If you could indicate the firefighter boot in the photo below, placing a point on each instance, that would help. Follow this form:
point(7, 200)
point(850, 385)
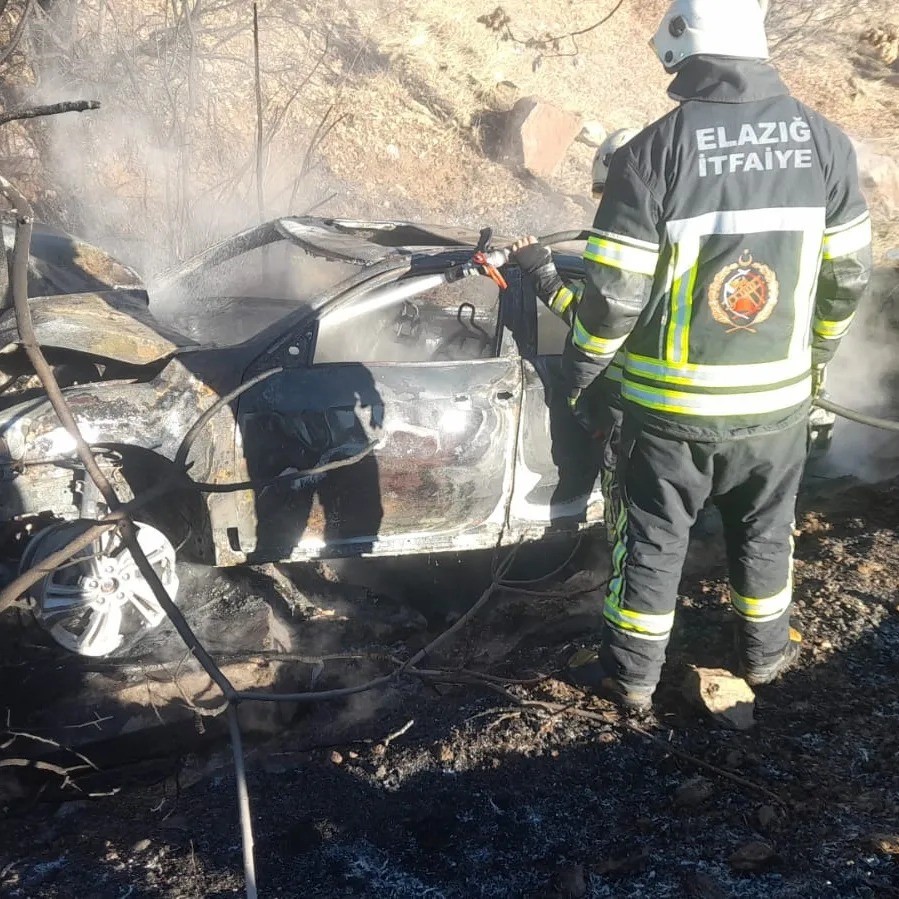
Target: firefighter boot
point(769, 669)
point(586, 669)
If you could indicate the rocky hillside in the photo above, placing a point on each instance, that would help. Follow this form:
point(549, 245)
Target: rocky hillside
point(380, 112)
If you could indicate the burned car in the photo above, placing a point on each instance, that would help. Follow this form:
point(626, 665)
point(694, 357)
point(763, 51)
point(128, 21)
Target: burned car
point(371, 343)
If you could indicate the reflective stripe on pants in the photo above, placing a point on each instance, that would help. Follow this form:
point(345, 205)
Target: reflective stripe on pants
point(665, 483)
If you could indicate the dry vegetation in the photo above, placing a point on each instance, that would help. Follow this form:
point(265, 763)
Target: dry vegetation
point(390, 109)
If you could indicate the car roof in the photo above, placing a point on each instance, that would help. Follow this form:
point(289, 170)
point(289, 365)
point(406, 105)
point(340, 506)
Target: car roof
point(352, 241)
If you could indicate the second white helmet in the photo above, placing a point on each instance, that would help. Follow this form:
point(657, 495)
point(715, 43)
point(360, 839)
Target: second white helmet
point(603, 156)
point(734, 28)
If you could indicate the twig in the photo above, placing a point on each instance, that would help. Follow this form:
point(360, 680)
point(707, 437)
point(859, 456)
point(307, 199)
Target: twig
point(438, 641)
point(544, 43)
point(596, 718)
point(46, 741)
point(260, 150)
point(33, 112)
point(320, 696)
point(97, 722)
point(398, 733)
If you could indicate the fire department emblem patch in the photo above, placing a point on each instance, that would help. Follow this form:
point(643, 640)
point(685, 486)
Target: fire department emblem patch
point(743, 295)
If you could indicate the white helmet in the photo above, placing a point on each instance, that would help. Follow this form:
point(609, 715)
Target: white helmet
point(733, 28)
point(603, 156)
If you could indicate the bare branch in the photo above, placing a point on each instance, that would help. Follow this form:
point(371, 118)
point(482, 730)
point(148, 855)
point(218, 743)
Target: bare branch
point(16, 37)
point(33, 112)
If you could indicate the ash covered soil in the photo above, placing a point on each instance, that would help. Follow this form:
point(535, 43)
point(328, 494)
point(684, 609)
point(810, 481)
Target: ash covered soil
point(480, 798)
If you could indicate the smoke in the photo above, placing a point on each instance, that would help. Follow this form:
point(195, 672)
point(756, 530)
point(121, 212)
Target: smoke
point(168, 164)
point(864, 375)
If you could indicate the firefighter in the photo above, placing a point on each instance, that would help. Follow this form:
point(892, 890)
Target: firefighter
point(602, 416)
point(734, 248)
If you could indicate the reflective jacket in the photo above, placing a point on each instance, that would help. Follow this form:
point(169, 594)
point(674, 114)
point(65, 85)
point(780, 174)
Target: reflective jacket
point(735, 245)
point(563, 299)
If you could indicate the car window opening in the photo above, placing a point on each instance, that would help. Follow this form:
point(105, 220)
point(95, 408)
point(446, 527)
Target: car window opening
point(444, 323)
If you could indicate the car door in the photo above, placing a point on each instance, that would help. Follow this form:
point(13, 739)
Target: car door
point(431, 382)
point(557, 463)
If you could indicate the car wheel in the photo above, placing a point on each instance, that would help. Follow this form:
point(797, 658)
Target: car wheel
point(99, 599)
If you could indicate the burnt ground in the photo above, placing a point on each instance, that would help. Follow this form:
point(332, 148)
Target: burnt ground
point(478, 798)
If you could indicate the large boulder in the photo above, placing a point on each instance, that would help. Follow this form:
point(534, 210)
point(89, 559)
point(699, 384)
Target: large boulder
point(537, 135)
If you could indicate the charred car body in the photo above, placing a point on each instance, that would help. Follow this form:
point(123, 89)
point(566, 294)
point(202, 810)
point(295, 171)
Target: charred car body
point(366, 336)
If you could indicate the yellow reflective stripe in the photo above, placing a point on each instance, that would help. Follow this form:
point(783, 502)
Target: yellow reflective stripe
point(640, 624)
point(829, 330)
point(595, 346)
point(621, 256)
point(561, 300)
point(758, 375)
point(681, 313)
point(850, 239)
point(723, 405)
point(674, 293)
point(760, 610)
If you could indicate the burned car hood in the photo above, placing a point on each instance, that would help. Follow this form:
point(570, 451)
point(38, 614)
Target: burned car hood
point(60, 263)
point(112, 324)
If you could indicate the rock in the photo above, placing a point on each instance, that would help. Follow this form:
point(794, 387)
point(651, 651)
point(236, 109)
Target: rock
point(885, 843)
point(754, 857)
point(592, 134)
point(537, 135)
point(883, 42)
point(445, 754)
point(728, 699)
point(766, 816)
point(336, 758)
point(140, 846)
point(694, 792)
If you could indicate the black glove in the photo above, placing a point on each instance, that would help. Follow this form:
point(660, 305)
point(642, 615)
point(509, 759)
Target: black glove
point(536, 261)
point(585, 414)
point(532, 257)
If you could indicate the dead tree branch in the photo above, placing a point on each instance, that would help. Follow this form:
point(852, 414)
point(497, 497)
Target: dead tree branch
point(16, 37)
point(500, 22)
point(34, 112)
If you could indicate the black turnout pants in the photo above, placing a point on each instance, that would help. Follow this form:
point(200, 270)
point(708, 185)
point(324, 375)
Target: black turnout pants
point(664, 485)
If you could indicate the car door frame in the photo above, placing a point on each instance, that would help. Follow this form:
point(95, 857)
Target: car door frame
point(579, 512)
point(294, 348)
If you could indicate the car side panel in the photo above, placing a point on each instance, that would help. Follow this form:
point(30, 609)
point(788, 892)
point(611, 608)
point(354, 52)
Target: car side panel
point(439, 477)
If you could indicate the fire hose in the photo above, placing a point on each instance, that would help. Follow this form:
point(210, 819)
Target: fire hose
point(823, 401)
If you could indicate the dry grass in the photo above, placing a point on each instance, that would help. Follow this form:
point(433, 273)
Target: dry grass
point(170, 157)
